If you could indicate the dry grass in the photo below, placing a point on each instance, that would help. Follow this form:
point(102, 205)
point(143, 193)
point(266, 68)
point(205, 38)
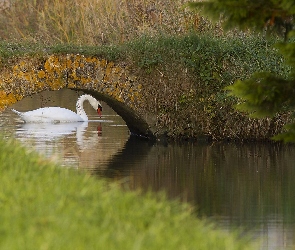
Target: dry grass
point(95, 22)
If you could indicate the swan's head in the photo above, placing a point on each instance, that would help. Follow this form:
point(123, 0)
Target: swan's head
point(95, 104)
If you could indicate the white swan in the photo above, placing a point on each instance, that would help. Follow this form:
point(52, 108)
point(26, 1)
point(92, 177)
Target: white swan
point(57, 114)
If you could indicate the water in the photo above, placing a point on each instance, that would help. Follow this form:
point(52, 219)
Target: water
point(249, 186)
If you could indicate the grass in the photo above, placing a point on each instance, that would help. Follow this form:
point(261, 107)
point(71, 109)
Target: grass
point(238, 57)
point(95, 22)
point(44, 206)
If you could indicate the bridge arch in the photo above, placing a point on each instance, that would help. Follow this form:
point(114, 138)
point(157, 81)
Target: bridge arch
point(107, 81)
point(169, 102)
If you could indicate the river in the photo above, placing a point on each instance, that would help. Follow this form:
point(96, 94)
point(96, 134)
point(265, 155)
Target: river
point(249, 186)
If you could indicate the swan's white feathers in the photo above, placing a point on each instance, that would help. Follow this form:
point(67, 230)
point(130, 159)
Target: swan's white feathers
point(57, 114)
point(49, 114)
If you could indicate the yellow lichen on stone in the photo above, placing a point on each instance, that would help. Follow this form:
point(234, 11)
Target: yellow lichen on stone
point(85, 81)
point(41, 74)
point(55, 72)
point(2, 94)
point(103, 63)
point(30, 76)
point(117, 70)
point(92, 60)
point(72, 85)
point(6, 99)
point(106, 77)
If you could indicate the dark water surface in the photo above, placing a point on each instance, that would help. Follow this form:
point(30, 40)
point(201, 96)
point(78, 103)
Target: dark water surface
point(250, 185)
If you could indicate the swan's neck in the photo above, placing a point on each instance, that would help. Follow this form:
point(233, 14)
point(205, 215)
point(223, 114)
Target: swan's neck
point(80, 108)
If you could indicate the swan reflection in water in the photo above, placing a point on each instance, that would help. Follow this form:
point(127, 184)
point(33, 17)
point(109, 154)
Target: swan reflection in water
point(66, 142)
point(51, 131)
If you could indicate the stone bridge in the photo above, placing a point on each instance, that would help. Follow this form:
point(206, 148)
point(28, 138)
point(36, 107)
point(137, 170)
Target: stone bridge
point(107, 81)
point(167, 101)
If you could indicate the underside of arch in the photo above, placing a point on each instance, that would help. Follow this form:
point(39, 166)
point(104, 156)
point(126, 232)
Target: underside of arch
point(136, 124)
point(104, 80)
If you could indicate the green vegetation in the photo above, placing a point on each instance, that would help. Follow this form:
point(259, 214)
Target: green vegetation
point(195, 69)
point(210, 64)
point(266, 93)
point(268, 15)
point(46, 207)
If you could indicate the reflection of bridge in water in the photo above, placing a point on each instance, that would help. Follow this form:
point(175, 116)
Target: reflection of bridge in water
point(108, 82)
point(248, 185)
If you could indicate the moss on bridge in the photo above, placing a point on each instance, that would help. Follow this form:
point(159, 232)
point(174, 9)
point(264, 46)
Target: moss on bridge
point(106, 80)
point(170, 87)
point(29, 76)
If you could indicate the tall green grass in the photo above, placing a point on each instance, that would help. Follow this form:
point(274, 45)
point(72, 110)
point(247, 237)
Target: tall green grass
point(43, 206)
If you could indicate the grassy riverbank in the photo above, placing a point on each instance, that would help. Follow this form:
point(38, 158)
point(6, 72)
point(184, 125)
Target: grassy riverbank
point(46, 207)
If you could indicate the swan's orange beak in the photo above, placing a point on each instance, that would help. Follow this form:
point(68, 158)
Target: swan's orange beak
point(99, 110)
